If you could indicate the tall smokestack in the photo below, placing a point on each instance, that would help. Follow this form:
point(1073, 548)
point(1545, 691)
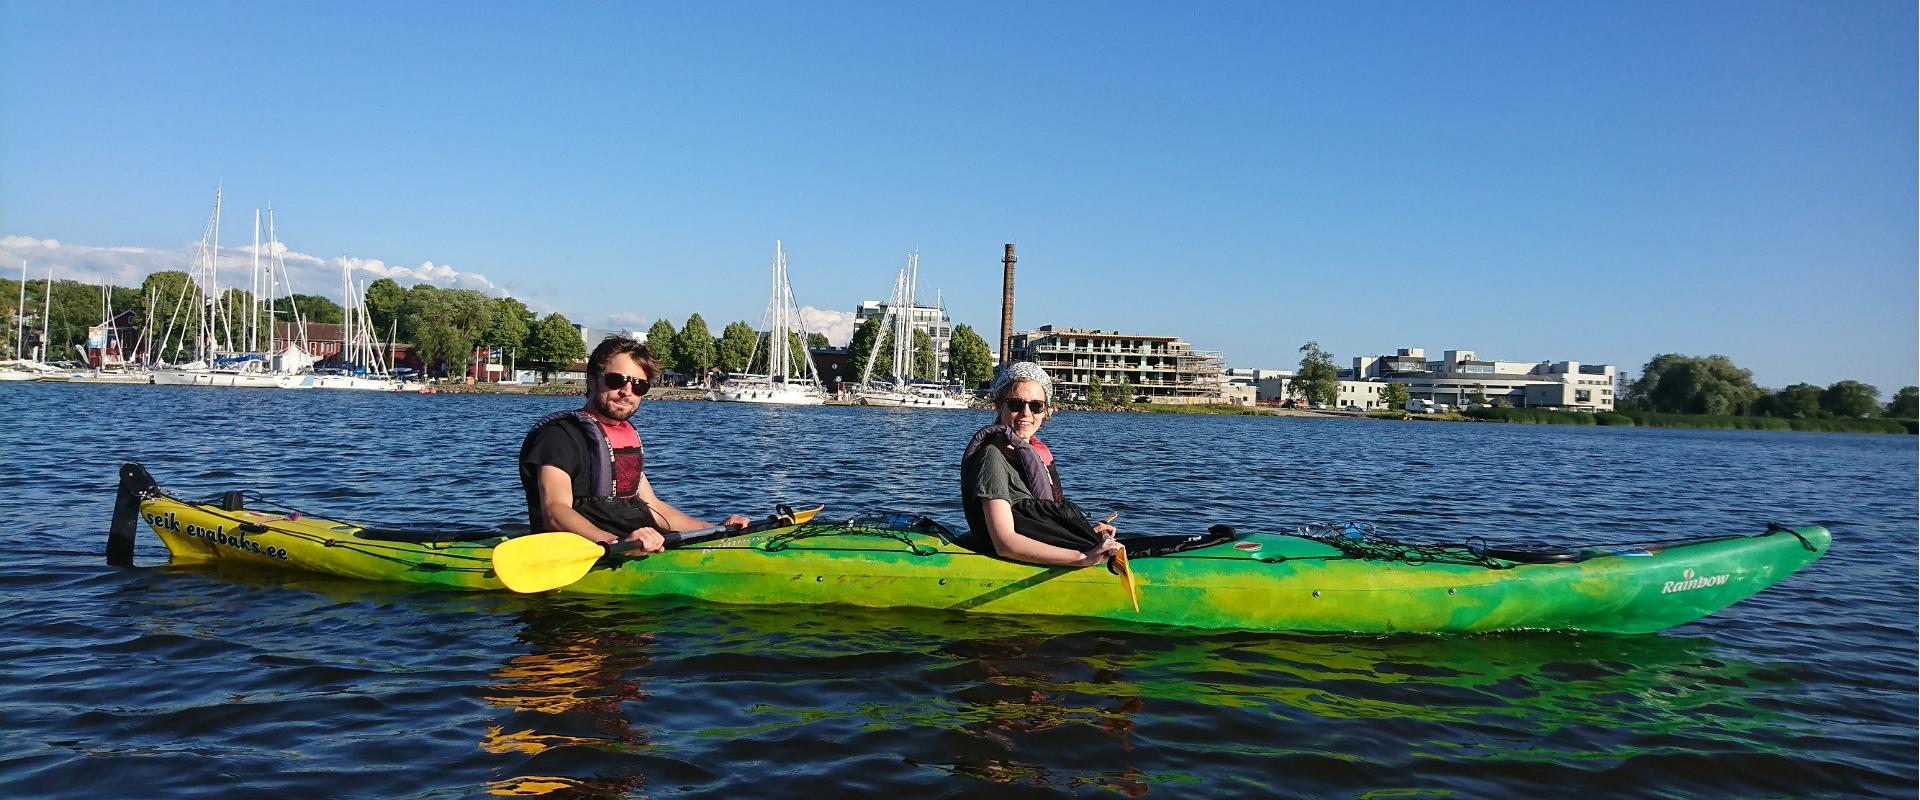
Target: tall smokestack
point(1006, 307)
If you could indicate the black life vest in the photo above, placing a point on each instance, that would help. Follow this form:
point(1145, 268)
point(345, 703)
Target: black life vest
point(1057, 522)
point(615, 515)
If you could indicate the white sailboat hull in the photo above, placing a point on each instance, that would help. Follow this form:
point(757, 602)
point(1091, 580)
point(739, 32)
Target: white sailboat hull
point(357, 383)
point(768, 395)
point(235, 380)
point(892, 399)
point(111, 377)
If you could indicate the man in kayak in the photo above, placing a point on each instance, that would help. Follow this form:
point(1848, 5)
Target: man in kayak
point(584, 471)
point(1011, 490)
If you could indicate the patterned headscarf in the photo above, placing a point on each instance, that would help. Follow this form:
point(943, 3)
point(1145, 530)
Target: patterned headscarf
point(1006, 374)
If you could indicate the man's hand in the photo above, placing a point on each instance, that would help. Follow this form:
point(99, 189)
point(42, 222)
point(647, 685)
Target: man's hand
point(650, 539)
point(1104, 530)
point(736, 522)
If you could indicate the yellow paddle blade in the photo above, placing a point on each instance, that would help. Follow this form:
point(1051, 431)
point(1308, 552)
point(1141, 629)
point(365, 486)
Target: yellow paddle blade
point(1126, 573)
point(542, 561)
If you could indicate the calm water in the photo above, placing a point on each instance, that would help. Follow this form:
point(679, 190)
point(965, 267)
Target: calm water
point(178, 682)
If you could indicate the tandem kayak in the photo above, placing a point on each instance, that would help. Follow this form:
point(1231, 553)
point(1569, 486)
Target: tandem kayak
point(1327, 578)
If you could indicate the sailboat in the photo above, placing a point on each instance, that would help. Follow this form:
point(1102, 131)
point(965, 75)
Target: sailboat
point(21, 368)
point(899, 390)
point(113, 366)
point(362, 370)
point(777, 386)
point(215, 363)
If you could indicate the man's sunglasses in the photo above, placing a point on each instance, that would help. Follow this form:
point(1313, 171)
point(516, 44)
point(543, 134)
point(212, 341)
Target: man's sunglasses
point(614, 380)
point(1013, 405)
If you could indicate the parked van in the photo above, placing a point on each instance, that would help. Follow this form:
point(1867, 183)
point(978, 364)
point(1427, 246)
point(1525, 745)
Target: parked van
point(1419, 406)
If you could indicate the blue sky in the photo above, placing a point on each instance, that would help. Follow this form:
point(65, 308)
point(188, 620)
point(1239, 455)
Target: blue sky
point(1594, 182)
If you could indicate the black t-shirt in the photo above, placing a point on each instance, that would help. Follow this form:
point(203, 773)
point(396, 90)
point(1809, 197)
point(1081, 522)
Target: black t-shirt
point(563, 444)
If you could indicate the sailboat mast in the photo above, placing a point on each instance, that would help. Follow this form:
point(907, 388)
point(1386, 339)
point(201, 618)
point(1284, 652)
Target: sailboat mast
point(20, 316)
point(777, 333)
point(346, 308)
point(222, 315)
point(253, 291)
point(46, 315)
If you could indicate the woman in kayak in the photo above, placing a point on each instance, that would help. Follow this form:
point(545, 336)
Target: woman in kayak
point(1010, 489)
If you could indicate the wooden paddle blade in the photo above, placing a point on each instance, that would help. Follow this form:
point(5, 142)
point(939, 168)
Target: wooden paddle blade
point(1126, 574)
point(543, 561)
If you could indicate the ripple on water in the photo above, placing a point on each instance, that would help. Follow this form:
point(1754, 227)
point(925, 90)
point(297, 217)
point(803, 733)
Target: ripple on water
point(186, 682)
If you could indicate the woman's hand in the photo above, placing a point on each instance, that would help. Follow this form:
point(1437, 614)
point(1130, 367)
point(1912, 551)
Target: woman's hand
point(736, 522)
point(1104, 530)
point(1099, 554)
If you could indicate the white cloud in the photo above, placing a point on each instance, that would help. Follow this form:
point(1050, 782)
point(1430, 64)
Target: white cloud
point(837, 325)
point(306, 274)
point(625, 321)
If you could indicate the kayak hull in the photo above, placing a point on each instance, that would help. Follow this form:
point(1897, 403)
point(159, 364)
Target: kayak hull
point(1259, 582)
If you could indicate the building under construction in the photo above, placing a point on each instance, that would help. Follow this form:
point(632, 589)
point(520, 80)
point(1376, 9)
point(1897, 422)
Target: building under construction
point(1162, 369)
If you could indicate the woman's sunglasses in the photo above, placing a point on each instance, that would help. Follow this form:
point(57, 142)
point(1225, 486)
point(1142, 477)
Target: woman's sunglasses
point(1014, 404)
point(614, 380)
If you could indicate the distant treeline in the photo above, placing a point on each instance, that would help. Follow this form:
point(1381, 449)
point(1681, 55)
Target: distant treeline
point(1649, 419)
point(1713, 386)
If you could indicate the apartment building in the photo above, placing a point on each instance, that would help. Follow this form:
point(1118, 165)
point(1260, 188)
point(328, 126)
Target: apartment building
point(1162, 369)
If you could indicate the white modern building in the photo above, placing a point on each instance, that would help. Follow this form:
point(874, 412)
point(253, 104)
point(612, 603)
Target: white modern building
point(1272, 386)
point(1460, 376)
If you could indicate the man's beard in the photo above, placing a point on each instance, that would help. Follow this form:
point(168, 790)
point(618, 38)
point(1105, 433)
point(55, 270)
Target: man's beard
point(604, 407)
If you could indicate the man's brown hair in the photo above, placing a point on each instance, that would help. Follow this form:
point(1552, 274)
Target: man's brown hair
point(615, 344)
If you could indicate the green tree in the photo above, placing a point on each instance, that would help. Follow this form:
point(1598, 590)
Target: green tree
point(925, 366)
point(1850, 399)
point(972, 358)
point(796, 354)
point(312, 307)
point(660, 341)
point(693, 350)
point(1478, 395)
point(1799, 401)
point(446, 323)
point(1905, 403)
point(1678, 384)
point(1096, 393)
point(385, 299)
point(1124, 394)
point(1318, 377)
point(167, 301)
point(512, 323)
point(1394, 395)
point(870, 343)
point(736, 346)
point(816, 339)
point(555, 341)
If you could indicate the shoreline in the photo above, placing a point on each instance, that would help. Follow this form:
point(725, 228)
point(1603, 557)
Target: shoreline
point(1509, 416)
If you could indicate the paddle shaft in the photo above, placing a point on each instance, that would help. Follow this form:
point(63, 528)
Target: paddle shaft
point(673, 539)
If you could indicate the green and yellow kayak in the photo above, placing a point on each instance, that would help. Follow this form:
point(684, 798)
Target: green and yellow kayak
point(1342, 578)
